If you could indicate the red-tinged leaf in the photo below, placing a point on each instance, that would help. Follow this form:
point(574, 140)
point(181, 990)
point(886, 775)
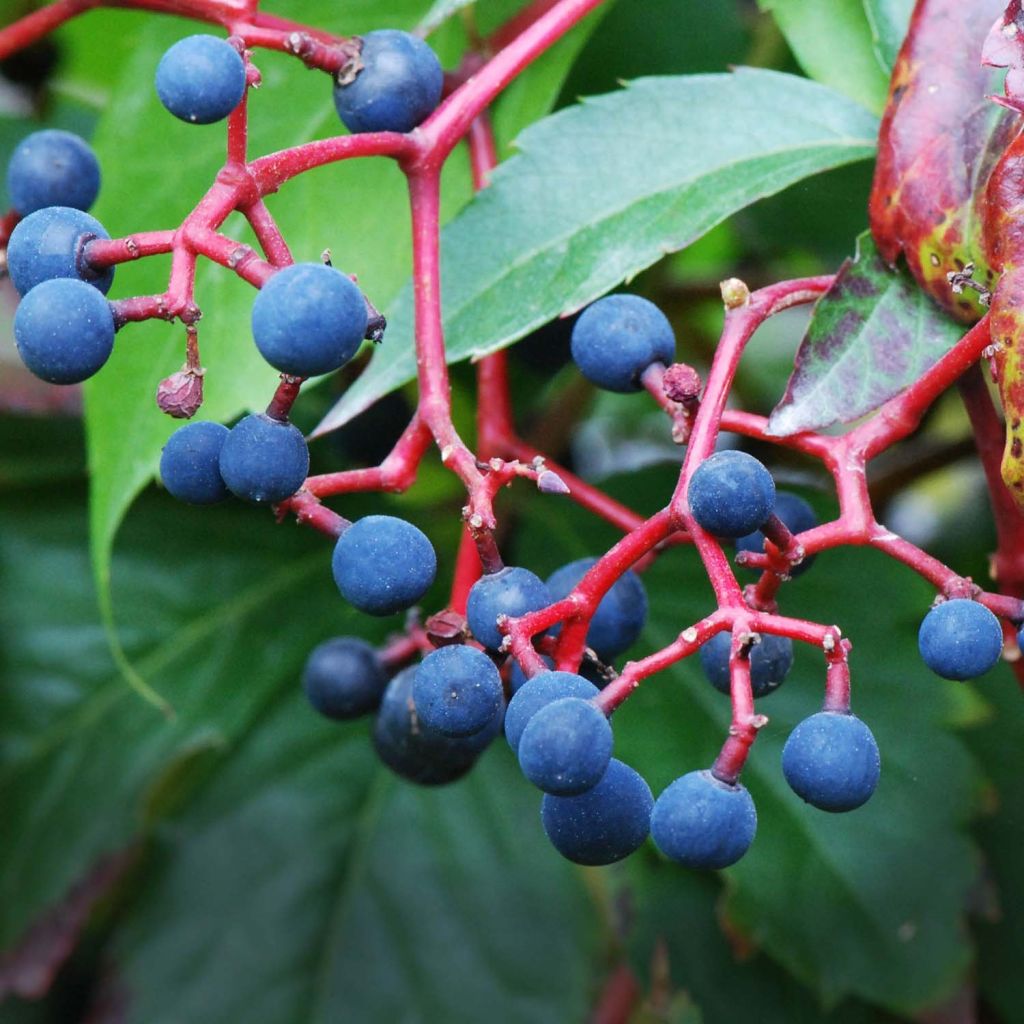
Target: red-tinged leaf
point(940, 138)
point(872, 333)
point(1004, 48)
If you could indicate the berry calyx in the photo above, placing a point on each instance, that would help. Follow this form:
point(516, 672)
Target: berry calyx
point(309, 319)
point(798, 516)
point(604, 824)
point(770, 662)
point(536, 693)
point(831, 760)
point(620, 615)
point(398, 87)
point(64, 330)
point(49, 244)
point(960, 639)
point(264, 460)
point(566, 746)
point(52, 168)
point(344, 678)
point(383, 564)
point(616, 338)
point(457, 691)
point(511, 591)
point(201, 79)
point(703, 822)
point(190, 463)
point(731, 494)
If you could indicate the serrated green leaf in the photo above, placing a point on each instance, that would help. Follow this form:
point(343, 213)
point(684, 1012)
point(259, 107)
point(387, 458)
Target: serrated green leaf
point(872, 334)
point(888, 20)
point(606, 188)
point(834, 44)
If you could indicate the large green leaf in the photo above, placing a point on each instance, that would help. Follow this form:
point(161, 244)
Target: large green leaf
point(871, 335)
point(835, 44)
point(888, 20)
point(606, 188)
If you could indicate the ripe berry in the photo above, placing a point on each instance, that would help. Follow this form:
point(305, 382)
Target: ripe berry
point(190, 463)
point(201, 79)
point(798, 517)
point(618, 337)
point(536, 693)
point(264, 460)
point(383, 565)
point(516, 676)
point(457, 691)
point(308, 319)
point(770, 662)
point(731, 494)
point(604, 824)
point(50, 243)
point(960, 639)
point(52, 168)
point(831, 760)
point(344, 678)
point(703, 822)
point(511, 591)
point(64, 330)
point(398, 87)
point(566, 746)
point(620, 615)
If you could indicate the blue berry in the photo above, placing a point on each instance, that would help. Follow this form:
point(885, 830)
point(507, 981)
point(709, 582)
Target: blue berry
point(457, 691)
point(383, 564)
point(264, 460)
point(308, 319)
point(620, 615)
point(536, 693)
point(190, 463)
point(618, 337)
point(798, 517)
point(770, 662)
point(399, 86)
point(831, 760)
point(703, 822)
point(64, 330)
point(960, 639)
point(731, 494)
point(516, 676)
point(511, 591)
point(604, 824)
point(50, 243)
point(52, 168)
point(344, 678)
point(566, 746)
point(201, 79)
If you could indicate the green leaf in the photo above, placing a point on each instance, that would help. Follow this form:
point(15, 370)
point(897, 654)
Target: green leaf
point(834, 44)
point(440, 12)
point(872, 334)
point(606, 188)
point(889, 20)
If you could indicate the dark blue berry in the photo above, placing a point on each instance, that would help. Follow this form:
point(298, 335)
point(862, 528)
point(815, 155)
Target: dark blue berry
point(344, 678)
point(960, 639)
point(731, 494)
point(566, 746)
point(511, 591)
point(308, 319)
point(398, 87)
point(831, 760)
point(536, 693)
point(264, 460)
point(604, 824)
point(64, 330)
point(383, 564)
point(798, 517)
point(50, 243)
point(770, 662)
point(52, 168)
point(201, 79)
point(620, 615)
point(703, 822)
point(457, 691)
point(190, 463)
point(618, 337)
